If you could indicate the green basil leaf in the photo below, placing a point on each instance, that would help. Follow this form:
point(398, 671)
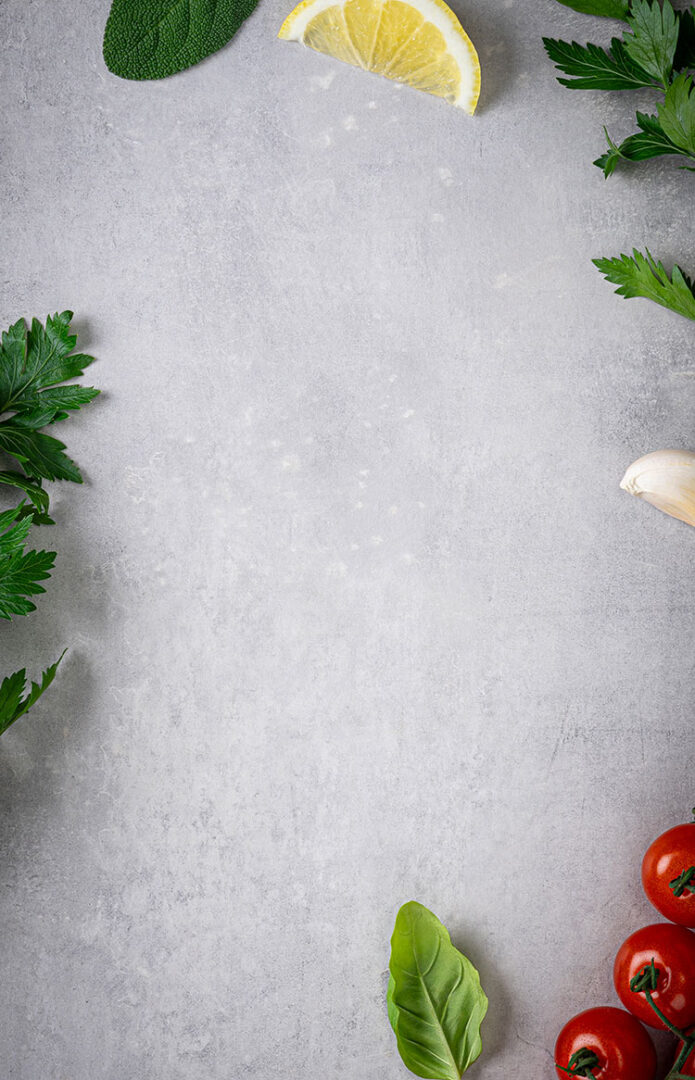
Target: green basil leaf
point(150, 39)
point(435, 1002)
point(611, 9)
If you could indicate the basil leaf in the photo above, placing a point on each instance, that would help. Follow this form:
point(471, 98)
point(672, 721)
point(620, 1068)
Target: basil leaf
point(435, 1002)
point(611, 9)
point(150, 39)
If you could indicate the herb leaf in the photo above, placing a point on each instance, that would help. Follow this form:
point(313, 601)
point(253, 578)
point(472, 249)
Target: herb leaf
point(685, 53)
point(150, 39)
point(594, 68)
point(641, 275)
point(13, 704)
point(677, 113)
point(20, 570)
point(435, 1002)
point(651, 141)
point(652, 43)
point(611, 9)
point(34, 492)
point(32, 362)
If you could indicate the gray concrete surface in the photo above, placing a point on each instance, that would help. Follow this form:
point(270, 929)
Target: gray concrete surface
point(356, 610)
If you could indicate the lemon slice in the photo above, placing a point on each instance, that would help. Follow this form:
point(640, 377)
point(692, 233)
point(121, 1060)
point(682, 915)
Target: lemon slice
point(418, 42)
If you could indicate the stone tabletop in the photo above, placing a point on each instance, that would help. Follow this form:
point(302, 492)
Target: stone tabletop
point(355, 608)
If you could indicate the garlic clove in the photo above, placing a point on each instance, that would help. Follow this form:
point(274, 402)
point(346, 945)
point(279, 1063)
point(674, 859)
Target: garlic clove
point(666, 479)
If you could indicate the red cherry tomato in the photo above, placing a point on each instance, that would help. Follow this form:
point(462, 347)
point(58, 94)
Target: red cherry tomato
point(668, 874)
point(620, 1046)
point(671, 949)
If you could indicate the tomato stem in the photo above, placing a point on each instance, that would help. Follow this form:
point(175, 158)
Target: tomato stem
point(683, 881)
point(646, 981)
point(647, 978)
point(688, 1043)
point(671, 1027)
point(582, 1063)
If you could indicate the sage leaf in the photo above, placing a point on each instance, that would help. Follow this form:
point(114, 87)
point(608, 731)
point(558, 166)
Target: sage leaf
point(610, 9)
point(435, 1001)
point(151, 39)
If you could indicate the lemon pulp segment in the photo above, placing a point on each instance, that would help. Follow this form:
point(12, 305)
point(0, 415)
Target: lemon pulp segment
point(420, 42)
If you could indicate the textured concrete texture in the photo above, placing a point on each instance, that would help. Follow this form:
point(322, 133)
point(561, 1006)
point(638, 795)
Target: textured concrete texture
point(356, 610)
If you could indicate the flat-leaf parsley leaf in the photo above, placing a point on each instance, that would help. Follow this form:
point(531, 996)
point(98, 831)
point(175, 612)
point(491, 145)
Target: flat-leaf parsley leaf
point(677, 113)
point(649, 142)
point(13, 702)
point(642, 275)
point(652, 43)
point(594, 68)
point(20, 570)
point(32, 362)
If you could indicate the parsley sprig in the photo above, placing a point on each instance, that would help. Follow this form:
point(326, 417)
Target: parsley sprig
point(642, 275)
point(14, 701)
point(34, 362)
point(656, 51)
point(20, 571)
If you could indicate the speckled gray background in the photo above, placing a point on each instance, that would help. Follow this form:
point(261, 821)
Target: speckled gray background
point(356, 610)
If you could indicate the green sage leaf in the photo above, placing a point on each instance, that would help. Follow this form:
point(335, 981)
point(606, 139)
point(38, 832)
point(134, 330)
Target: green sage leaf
point(150, 39)
point(435, 1002)
point(611, 9)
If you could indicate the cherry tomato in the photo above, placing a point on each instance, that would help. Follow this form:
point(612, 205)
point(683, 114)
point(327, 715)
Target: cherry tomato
point(669, 952)
point(668, 874)
point(620, 1046)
